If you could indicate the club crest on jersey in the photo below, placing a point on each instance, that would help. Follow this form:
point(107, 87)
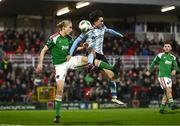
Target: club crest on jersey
point(168, 62)
point(65, 47)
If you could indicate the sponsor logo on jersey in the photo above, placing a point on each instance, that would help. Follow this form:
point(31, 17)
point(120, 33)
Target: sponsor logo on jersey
point(168, 62)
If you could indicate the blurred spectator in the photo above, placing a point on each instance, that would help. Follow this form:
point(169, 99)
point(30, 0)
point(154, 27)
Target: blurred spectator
point(133, 87)
point(135, 100)
point(27, 41)
point(6, 65)
point(30, 41)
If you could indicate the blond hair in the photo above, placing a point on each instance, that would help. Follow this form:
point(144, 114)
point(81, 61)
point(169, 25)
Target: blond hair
point(63, 23)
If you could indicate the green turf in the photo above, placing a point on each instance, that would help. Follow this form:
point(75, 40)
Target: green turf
point(92, 117)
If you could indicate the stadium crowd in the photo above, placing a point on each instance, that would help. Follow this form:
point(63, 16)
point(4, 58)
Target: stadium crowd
point(26, 41)
point(31, 41)
point(134, 87)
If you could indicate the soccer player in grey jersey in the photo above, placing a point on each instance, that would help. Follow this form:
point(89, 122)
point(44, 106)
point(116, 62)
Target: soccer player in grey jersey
point(95, 39)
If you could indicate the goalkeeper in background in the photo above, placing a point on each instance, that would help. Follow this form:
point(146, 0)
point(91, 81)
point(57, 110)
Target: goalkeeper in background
point(167, 68)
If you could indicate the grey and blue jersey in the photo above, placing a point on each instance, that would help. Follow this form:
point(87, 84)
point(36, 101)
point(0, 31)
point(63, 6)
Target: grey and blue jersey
point(95, 37)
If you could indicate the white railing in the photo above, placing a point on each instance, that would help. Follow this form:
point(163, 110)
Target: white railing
point(28, 60)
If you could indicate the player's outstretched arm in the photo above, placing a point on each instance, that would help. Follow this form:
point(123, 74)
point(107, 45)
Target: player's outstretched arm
point(75, 44)
point(149, 69)
point(84, 46)
point(113, 32)
point(154, 62)
point(41, 58)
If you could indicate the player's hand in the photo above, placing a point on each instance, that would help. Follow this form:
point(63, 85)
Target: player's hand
point(68, 58)
point(39, 68)
point(173, 73)
point(148, 73)
point(121, 35)
point(85, 44)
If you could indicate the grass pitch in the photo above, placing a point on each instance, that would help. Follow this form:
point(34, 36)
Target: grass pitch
point(91, 117)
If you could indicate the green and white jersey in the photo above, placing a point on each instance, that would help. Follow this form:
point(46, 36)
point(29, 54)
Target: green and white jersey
point(59, 48)
point(167, 62)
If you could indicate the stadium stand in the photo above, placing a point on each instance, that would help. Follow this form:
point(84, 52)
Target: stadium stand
point(22, 37)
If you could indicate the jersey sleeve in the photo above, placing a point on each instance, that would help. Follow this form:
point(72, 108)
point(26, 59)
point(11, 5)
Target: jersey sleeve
point(83, 36)
point(75, 44)
point(174, 65)
point(50, 43)
point(113, 32)
point(154, 62)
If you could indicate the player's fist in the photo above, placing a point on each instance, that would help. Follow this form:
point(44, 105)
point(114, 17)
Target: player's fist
point(85, 44)
point(173, 72)
point(39, 68)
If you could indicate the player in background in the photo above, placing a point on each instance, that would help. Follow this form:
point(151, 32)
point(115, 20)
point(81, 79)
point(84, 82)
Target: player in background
point(95, 39)
point(58, 45)
point(167, 68)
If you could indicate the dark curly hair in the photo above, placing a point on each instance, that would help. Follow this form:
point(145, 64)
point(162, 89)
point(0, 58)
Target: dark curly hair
point(168, 42)
point(94, 16)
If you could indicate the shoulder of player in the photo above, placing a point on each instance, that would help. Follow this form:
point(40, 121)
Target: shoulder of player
point(84, 35)
point(160, 54)
point(174, 57)
point(104, 26)
point(91, 31)
point(54, 35)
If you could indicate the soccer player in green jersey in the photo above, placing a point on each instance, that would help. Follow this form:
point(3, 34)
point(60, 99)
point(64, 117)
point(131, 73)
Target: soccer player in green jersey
point(167, 68)
point(58, 45)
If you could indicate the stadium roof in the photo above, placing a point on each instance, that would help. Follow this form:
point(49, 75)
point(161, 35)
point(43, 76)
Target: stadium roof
point(111, 8)
point(143, 2)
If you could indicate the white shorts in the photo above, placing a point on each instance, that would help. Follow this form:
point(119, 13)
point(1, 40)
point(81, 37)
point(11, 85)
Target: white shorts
point(61, 69)
point(165, 82)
